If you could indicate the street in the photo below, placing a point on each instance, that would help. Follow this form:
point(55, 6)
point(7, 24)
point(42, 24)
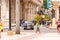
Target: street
point(43, 29)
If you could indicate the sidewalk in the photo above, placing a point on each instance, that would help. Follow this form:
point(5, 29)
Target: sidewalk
point(46, 34)
point(4, 36)
point(31, 36)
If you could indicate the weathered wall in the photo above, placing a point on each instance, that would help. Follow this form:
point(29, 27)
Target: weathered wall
point(5, 13)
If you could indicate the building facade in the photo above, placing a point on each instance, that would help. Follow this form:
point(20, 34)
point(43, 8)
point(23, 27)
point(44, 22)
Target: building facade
point(27, 10)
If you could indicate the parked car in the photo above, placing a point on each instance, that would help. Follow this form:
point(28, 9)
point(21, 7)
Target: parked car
point(28, 25)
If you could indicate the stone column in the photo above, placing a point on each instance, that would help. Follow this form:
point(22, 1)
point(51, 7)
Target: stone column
point(57, 13)
point(56, 16)
point(17, 16)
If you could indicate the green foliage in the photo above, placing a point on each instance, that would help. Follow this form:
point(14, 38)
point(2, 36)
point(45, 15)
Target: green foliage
point(46, 4)
point(47, 17)
point(38, 18)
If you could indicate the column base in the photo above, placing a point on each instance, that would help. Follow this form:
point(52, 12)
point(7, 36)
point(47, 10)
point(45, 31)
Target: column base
point(10, 33)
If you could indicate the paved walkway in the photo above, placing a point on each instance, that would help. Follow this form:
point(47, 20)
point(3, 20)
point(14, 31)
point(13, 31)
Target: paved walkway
point(47, 36)
point(4, 36)
point(31, 36)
